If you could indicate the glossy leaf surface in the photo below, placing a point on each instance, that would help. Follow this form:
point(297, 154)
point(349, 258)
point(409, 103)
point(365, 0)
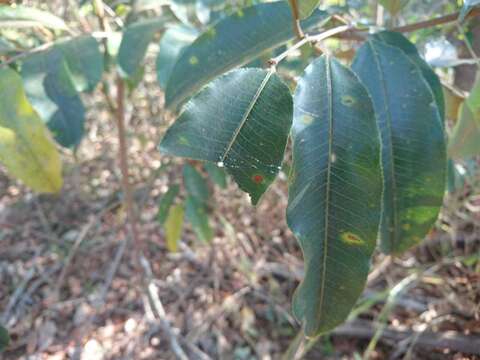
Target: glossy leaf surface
point(197, 216)
point(231, 42)
point(396, 39)
point(26, 149)
point(335, 192)
point(240, 121)
point(413, 146)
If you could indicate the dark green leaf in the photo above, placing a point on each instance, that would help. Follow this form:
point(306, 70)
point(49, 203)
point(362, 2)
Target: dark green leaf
point(335, 192)
point(23, 16)
point(231, 42)
point(465, 138)
point(166, 203)
point(198, 218)
point(51, 91)
point(217, 174)
point(195, 183)
point(135, 41)
point(52, 80)
point(468, 6)
point(413, 146)
point(4, 338)
point(174, 226)
point(84, 60)
point(240, 121)
point(398, 40)
point(173, 42)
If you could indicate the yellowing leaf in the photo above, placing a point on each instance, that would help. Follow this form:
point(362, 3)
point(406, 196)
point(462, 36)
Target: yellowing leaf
point(173, 227)
point(26, 148)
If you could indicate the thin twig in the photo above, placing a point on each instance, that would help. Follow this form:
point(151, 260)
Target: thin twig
point(309, 39)
point(297, 27)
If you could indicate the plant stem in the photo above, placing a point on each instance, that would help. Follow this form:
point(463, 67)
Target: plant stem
point(435, 22)
point(309, 39)
point(123, 158)
point(297, 28)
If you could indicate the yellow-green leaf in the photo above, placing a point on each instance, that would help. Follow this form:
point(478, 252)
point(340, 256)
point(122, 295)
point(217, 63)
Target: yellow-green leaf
point(26, 148)
point(173, 227)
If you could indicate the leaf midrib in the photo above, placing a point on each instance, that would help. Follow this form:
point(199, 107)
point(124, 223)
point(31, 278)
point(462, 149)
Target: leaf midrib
point(389, 127)
point(247, 113)
point(327, 188)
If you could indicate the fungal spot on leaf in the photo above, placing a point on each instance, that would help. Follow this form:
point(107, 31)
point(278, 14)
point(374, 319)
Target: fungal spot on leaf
point(183, 140)
point(193, 60)
point(406, 226)
point(258, 179)
point(348, 100)
point(307, 119)
point(350, 238)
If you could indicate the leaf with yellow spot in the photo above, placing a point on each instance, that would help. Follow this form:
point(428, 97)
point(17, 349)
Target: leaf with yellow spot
point(26, 148)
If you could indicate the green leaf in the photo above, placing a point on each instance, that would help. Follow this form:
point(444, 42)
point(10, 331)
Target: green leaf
point(468, 5)
point(173, 227)
point(135, 41)
point(53, 79)
point(173, 42)
point(84, 60)
point(166, 203)
point(26, 150)
point(50, 89)
point(335, 193)
point(198, 218)
point(217, 174)
point(465, 139)
point(307, 7)
point(195, 183)
point(4, 338)
point(396, 39)
point(394, 6)
point(233, 41)
point(23, 16)
point(241, 122)
point(413, 146)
